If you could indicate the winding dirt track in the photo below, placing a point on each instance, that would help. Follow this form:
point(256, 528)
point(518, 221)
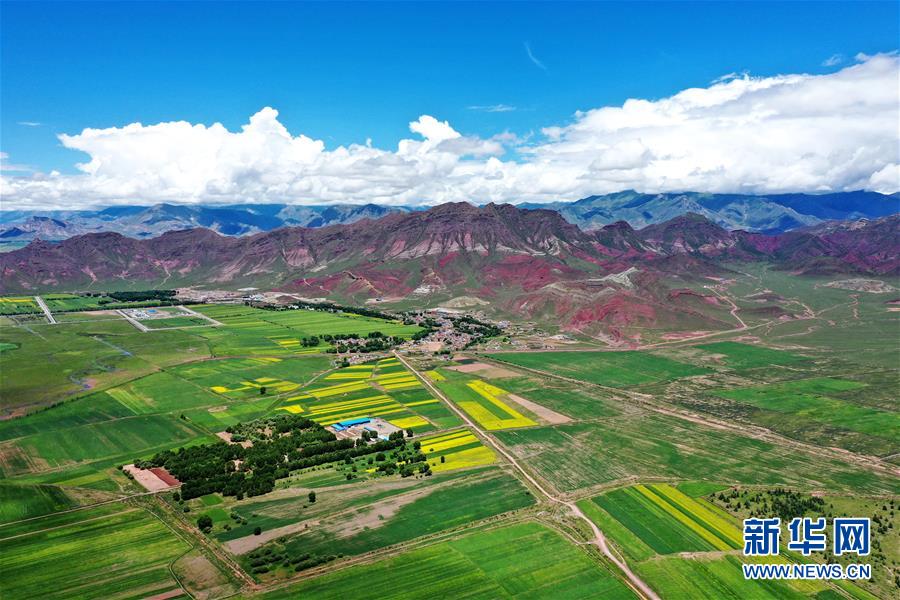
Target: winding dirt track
point(599, 539)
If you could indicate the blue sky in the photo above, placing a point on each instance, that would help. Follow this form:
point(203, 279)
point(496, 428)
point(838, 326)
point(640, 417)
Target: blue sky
point(345, 73)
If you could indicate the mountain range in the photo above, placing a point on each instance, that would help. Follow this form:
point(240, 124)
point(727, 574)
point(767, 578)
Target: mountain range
point(766, 214)
point(149, 221)
point(531, 263)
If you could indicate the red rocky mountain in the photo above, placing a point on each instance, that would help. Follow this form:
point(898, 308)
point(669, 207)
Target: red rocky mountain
point(526, 262)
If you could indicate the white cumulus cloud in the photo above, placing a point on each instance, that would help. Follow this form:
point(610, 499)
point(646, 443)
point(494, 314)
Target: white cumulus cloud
point(784, 133)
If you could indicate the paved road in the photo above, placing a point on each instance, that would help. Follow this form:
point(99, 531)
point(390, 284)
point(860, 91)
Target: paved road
point(46, 309)
point(599, 539)
point(138, 325)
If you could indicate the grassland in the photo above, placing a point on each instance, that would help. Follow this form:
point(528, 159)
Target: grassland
point(130, 551)
point(519, 561)
point(611, 369)
point(811, 400)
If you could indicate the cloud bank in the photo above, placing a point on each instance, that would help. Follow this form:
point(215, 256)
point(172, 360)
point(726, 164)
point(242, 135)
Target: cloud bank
point(741, 134)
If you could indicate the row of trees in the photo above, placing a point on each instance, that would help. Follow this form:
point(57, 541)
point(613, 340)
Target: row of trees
point(232, 470)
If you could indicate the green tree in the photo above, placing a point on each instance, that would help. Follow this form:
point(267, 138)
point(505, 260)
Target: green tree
point(312, 496)
point(205, 523)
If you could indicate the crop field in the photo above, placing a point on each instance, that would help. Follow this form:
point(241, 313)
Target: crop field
point(456, 450)
point(11, 305)
point(807, 398)
point(242, 378)
point(19, 502)
point(266, 332)
point(654, 445)
point(120, 438)
point(517, 561)
point(747, 356)
point(718, 578)
point(420, 512)
point(660, 519)
point(175, 322)
point(130, 551)
point(482, 401)
point(67, 302)
point(563, 396)
point(611, 369)
point(378, 389)
point(686, 547)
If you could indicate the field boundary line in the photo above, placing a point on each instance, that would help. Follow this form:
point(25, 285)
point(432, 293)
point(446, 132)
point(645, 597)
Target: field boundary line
point(37, 531)
point(870, 463)
point(599, 539)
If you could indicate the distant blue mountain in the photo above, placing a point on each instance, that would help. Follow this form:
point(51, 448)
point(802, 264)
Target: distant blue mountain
point(762, 213)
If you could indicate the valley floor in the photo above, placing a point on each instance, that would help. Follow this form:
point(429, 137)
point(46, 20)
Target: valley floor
point(547, 473)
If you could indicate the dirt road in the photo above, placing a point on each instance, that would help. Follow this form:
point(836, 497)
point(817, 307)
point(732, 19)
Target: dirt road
point(599, 539)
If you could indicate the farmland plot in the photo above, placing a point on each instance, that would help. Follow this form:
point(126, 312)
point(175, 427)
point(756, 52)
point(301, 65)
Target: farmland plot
point(526, 560)
point(129, 555)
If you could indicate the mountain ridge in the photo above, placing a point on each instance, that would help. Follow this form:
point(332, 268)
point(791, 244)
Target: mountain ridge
point(765, 214)
point(530, 263)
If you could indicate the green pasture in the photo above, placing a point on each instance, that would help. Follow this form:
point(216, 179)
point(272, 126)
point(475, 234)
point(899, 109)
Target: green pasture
point(256, 331)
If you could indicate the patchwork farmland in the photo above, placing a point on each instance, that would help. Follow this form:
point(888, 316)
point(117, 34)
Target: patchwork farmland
point(481, 454)
point(688, 547)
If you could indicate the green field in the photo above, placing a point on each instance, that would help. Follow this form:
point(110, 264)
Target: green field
point(129, 553)
point(254, 331)
point(120, 439)
point(654, 445)
point(611, 369)
point(174, 322)
point(715, 579)
point(483, 401)
point(11, 305)
point(746, 356)
point(397, 518)
point(28, 501)
point(659, 519)
point(521, 561)
point(686, 547)
point(807, 398)
point(565, 397)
